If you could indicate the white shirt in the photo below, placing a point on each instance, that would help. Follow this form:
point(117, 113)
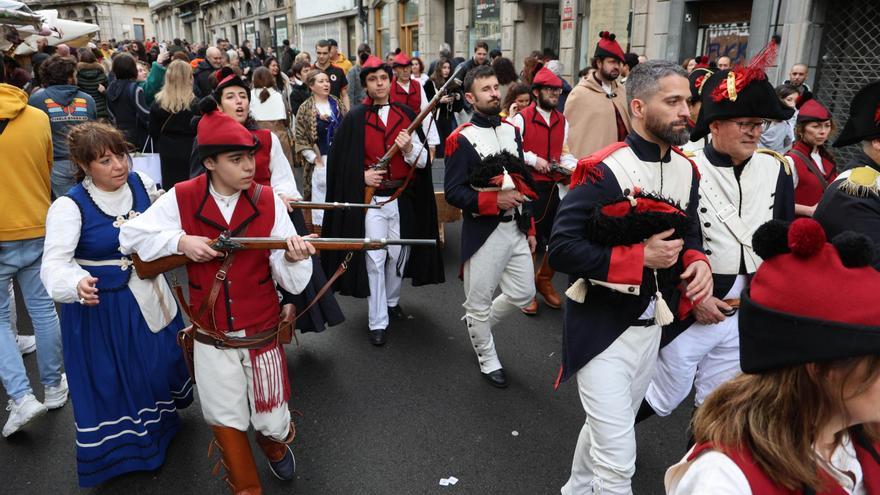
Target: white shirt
point(157, 232)
point(715, 473)
point(429, 127)
point(59, 272)
point(418, 154)
point(567, 160)
point(323, 109)
point(269, 110)
point(280, 174)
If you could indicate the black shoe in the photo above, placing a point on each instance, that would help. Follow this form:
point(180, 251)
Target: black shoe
point(285, 469)
point(496, 378)
point(397, 313)
point(377, 337)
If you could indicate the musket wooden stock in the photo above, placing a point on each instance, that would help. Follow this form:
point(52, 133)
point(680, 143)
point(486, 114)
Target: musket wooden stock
point(370, 191)
point(150, 269)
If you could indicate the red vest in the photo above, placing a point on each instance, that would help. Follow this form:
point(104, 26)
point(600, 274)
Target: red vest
point(378, 137)
point(543, 140)
point(263, 156)
point(412, 99)
point(761, 484)
point(809, 189)
point(247, 298)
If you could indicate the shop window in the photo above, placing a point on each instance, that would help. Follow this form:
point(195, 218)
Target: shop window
point(408, 14)
point(383, 29)
point(486, 22)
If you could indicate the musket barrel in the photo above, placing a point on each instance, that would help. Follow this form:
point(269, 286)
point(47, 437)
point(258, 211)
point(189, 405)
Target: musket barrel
point(315, 205)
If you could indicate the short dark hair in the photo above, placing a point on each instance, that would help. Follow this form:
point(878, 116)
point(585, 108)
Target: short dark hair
point(495, 53)
point(584, 71)
point(481, 44)
point(478, 72)
point(286, 42)
point(323, 44)
point(631, 60)
point(504, 70)
point(58, 70)
point(297, 67)
point(125, 67)
point(332, 42)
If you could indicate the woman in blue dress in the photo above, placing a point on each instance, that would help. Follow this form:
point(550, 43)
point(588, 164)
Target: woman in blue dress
point(126, 374)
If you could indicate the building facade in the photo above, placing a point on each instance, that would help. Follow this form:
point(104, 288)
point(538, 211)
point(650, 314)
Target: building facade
point(117, 19)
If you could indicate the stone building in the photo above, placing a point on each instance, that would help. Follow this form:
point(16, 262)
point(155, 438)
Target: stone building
point(118, 19)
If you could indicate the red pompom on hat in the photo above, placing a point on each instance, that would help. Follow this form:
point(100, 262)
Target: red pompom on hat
point(810, 300)
point(813, 111)
point(702, 62)
point(219, 133)
point(547, 79)
point(370, 65)
point(402, 59)
point(608, 47)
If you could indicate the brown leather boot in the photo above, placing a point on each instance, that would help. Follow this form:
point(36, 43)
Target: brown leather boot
point(532, 308)
point(544, 284)
point(241, 471)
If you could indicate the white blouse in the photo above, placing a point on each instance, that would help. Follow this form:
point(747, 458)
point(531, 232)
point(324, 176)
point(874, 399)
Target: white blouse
point(157, 232)
point(59, 272)
point(715, 473)
point(271, 109)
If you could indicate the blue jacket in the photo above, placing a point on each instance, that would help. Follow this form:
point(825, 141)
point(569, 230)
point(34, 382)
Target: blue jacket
point(590, 327)
point(66, 106)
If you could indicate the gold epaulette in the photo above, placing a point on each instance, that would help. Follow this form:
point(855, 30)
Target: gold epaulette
point(779, 157)
point(689, 154)
point(861, 182)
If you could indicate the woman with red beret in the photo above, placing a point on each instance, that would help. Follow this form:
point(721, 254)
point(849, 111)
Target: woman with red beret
point(813, 166)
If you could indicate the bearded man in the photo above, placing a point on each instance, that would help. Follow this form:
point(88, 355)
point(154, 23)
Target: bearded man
point(611, 333)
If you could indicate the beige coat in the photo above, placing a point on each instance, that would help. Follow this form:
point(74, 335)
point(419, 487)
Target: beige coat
point(590, 115)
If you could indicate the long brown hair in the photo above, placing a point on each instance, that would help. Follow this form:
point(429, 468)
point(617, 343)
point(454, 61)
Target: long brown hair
point(437, 75)
point(89, 141)
point(777, 415)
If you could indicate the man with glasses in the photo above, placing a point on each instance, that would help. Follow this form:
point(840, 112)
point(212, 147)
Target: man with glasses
point(544, 132)
point(741, 188)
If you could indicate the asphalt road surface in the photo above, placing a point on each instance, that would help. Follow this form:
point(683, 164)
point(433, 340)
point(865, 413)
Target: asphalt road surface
point(391, 420)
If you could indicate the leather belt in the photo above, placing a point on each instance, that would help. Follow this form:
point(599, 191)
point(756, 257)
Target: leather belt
point(648, 322)
point(506, 219)
point(221, 341)
point(388, 187)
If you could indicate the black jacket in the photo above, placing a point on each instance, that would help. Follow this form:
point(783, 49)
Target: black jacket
point(88, 78)
point(345, 183)
point(298, 94)
point(128, 109)
point(174, 135)
point(201, 79)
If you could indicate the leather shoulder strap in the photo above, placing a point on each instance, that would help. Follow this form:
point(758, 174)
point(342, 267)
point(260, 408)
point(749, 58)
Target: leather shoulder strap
point(811, 166)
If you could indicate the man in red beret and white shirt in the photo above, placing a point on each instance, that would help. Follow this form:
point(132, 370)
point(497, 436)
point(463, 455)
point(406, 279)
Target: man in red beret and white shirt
point(408, 92)
point(240, 367)
point(544, 132)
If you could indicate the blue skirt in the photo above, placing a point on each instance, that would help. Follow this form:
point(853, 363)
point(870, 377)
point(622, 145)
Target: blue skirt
point(126, 384)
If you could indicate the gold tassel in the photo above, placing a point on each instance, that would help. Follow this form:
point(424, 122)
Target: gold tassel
point(662, 314)
point(578, 291)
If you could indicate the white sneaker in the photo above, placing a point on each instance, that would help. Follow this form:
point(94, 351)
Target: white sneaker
point(26, 344)
point(22, 413)
point(56, 396)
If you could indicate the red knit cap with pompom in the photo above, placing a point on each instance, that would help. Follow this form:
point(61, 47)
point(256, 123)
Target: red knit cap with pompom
point(806, 237)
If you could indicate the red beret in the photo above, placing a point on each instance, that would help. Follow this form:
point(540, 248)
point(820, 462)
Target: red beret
point(813, 111)
point(372, 64)
point(546, 78)
point(219, 133)
point(402, 59)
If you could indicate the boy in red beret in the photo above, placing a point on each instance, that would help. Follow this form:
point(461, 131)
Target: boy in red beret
point(239, 364)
